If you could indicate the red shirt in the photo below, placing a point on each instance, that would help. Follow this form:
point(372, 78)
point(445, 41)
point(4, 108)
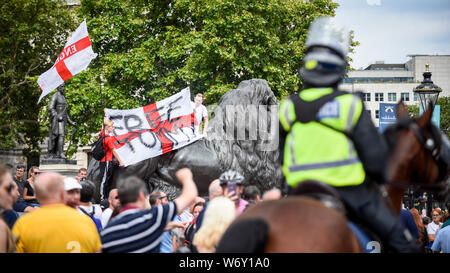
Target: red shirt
point(108, 146)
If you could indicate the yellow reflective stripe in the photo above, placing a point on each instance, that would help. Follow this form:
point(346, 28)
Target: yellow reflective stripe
point(324, 165)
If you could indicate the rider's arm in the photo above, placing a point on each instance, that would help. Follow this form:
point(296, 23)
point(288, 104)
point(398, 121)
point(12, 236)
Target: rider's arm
point(371, 147)
point(282, 139)
point(286, 118)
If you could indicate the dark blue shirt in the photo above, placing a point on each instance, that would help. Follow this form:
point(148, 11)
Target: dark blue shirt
point(408, 221)
point(10, 217)
point(21, 186)
point(136, 230)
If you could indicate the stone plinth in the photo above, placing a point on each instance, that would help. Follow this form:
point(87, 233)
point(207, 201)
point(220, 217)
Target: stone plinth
point(66, 167)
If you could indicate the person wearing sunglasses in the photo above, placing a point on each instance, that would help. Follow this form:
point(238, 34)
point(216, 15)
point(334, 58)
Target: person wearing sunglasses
point(28, 190)
point(21, 205)
point(114, 204)
point(435, 224)
point(7, 244)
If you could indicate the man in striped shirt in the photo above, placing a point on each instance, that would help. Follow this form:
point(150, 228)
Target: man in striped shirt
point(138, 230)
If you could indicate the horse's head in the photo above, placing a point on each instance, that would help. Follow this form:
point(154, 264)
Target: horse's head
point(418, 154)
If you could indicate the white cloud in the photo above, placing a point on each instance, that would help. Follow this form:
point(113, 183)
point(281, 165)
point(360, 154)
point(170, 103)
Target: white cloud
point(390, 35)
point(374, 2)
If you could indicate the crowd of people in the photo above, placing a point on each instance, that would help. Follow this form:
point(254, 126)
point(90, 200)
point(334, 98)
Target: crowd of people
point(323, 137)
point(425, 229)
point(64, 219)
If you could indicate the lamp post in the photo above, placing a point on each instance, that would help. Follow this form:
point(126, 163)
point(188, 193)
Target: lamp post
point(427, 91)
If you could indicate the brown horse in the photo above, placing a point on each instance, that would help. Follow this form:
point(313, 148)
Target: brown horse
point(416, 157)
point(295, 224)
point(301, 224)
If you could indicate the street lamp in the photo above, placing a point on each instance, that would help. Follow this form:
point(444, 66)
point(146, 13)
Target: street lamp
point(427, 91)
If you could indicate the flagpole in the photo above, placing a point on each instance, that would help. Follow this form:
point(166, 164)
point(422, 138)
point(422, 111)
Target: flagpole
point(100, 80)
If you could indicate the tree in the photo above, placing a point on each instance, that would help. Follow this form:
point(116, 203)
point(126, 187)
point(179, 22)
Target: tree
point(32, 33)
point(149, 50)
point(444, 103)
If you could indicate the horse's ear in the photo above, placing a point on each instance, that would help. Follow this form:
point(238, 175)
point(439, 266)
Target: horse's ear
point(426, 116)
point(402, 112)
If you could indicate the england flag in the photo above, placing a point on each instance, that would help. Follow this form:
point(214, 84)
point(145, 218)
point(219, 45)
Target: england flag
point(74, 58)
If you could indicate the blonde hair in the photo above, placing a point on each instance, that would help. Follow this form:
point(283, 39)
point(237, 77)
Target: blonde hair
point(219, 214)
point(107, 122)
point(31, 170)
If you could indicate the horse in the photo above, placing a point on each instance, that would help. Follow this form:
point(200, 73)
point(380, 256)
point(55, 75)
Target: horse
point(242, 135)
point(301, 224)
point(418, 157)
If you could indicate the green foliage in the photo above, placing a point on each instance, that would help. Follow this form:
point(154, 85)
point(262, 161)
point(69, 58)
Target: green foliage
point(149, 50)
point(32, 33)
point(444, 102)
point(413, 110)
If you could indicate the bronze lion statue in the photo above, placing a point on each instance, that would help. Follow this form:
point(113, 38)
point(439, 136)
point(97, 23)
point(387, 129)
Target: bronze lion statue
point(242, 135)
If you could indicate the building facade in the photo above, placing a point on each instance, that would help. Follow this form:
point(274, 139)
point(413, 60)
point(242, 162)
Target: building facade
point(388, 83)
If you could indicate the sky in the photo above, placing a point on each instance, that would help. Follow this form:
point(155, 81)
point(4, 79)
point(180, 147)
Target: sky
point(389, 30)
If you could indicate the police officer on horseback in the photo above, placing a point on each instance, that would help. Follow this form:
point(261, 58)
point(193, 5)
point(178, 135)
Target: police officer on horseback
point(326, 135)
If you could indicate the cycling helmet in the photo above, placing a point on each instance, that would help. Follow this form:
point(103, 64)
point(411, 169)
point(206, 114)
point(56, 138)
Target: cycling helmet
point(231, 176)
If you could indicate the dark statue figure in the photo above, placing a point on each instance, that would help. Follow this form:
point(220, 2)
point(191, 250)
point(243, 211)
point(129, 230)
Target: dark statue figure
point(256, 157)
point(58, 123)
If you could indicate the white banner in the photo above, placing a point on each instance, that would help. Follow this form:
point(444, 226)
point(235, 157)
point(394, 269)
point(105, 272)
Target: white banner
point(154, 129)
point(74, 58)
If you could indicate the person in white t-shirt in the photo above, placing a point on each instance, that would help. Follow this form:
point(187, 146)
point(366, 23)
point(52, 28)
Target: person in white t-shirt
point(435, 225)
point(114, 203)
point(200, 113)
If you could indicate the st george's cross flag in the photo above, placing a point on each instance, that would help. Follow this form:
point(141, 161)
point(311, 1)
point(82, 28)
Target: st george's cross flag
point(74, 58)
point(154, 129)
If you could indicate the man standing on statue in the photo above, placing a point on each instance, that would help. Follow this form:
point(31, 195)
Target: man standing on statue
point(58, 123)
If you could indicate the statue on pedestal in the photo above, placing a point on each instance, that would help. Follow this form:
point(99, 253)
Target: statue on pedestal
point(58, 123)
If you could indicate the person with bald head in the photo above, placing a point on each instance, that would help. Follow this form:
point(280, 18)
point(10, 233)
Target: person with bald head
point(114, 204)
point(214, 190)
point(56, 227)
point(272, 194)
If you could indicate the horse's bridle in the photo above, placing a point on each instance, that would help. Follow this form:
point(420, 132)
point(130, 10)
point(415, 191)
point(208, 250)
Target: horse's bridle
point(431, 145)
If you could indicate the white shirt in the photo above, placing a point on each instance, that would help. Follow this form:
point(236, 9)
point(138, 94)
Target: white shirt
point(186, 216)
point(200, 112)
point(96, 208)
point(106, 215)
point(433, 228)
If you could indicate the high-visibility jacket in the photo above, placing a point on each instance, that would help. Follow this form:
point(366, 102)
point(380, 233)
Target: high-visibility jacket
point(313, 150)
